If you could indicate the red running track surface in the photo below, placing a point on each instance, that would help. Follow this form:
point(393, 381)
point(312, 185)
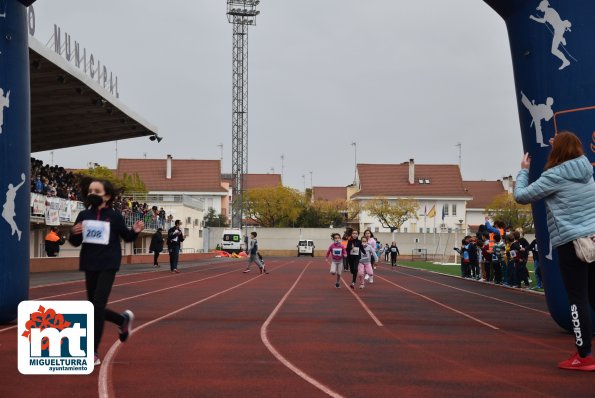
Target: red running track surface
point(212, 331)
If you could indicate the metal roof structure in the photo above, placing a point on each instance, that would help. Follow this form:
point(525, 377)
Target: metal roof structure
point(68, 108)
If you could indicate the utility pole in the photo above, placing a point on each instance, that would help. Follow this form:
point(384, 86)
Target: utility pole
point(354, 145)
point(460, 146)
point(241, 14)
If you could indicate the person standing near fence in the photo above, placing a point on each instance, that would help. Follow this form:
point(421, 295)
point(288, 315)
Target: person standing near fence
point(156, 246)
point(174, 239)
point(567, 188)
point(99, 229)
point(394, 252)
point(53, 241)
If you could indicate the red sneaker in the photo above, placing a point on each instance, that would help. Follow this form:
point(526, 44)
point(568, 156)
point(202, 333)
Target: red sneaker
point(575, 362)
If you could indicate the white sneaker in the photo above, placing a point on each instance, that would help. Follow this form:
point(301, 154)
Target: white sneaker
point(366, 277)
point(97, 360)
point(371, 279)
point(361, 286)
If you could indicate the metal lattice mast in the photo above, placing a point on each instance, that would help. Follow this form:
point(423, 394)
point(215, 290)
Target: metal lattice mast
point(242, 14)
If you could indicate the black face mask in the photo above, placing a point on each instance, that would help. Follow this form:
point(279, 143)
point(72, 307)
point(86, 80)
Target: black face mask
point(95, 200)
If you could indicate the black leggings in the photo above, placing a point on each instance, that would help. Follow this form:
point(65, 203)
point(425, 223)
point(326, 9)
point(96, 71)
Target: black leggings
point(99, 285)
point(579, 280)
point(353, 264)
point(155, 257)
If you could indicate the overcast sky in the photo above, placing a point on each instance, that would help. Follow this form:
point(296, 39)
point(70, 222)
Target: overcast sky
point(404, 79)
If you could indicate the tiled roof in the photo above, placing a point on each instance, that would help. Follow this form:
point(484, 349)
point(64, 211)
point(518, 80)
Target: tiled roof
point(329, 193)
point(483, 192)
point(392, 180)
point(186, 176)
point(260, 181)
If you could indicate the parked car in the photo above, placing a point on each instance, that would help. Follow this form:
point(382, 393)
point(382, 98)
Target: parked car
point(231, 241)
point(306, 247)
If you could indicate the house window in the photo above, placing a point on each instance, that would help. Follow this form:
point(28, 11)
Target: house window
point(421, 230)
point(445, 210)
point(454, 210)
point(435, 230)
point(200, 233)
point(427, 230)
point(376, 229)
point(186, 232)
point(450, 230)
point(209, 203)
point(405, 230)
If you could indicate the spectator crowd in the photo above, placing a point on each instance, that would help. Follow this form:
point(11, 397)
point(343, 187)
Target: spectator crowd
point(56, 181)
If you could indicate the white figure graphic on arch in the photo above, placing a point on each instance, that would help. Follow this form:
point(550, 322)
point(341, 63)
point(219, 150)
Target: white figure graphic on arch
point(4, 103)
point(538, 113)
point(9, 207)
point(559, 26)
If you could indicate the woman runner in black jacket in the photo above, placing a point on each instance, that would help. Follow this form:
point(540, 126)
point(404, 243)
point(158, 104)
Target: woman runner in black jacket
point(98, 229)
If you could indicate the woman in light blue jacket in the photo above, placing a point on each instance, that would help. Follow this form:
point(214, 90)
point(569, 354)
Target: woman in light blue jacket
point(568, 189)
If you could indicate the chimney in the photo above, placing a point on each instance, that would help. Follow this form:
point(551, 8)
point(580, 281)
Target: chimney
point(507, 183)
point(168, 168)
point(411, 171)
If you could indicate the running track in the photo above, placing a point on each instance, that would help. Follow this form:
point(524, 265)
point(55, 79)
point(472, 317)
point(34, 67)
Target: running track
point(213, 331)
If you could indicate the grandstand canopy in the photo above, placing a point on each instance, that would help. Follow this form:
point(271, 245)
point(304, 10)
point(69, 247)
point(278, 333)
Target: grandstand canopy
point(68, 108)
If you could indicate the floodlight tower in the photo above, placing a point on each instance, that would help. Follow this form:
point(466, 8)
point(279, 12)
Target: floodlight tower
point(241, 14)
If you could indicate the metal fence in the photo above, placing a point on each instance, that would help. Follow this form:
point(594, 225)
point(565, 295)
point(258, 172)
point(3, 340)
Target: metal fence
point(150, 223)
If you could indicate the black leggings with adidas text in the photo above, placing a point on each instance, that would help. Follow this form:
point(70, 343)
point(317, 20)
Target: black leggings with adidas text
point(579, 281)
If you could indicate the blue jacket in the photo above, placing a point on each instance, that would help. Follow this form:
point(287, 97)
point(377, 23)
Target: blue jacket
point(569, 194)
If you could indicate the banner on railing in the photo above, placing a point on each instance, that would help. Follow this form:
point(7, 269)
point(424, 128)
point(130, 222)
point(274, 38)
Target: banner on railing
point(37, 204)
point(52, 213)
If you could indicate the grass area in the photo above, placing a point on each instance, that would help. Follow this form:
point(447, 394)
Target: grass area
point(455, 269)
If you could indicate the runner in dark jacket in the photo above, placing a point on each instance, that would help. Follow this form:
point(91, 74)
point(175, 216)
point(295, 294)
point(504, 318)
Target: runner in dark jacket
point(99, 229)
point(156, 246)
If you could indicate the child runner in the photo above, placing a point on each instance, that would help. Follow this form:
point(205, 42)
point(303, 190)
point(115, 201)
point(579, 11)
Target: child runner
point(337, 253)
point(252, 253)
point(368, 252)
point(353, 251)
point(371, 242)
point(386, 252)
point(394, 252)
point(99, 229)
point(344, 242)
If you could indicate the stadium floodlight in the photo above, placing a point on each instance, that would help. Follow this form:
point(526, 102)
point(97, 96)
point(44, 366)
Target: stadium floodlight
point(242, 14)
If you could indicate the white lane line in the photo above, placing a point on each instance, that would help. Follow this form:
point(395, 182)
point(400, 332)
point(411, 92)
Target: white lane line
point(440, 304)
point(139, 295)
point(105, 386)
point(281, 358)
point(366, 308)
point(119, 276)
point(477, 294)
point(126, 283)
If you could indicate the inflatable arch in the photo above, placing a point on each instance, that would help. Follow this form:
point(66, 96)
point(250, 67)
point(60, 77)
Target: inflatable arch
point(552, 47)
point(552, 52)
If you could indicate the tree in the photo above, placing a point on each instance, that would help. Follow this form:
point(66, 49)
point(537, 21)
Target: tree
point(514, 215)
point(212, 219)
point(322, 214)
point(128, 183)
point(274, 207)
point(392, 214)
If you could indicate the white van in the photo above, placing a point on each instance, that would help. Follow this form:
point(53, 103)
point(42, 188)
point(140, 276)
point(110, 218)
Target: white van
point(306, 247)
point(232, 241)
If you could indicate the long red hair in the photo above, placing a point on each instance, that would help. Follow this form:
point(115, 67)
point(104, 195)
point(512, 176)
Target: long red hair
point(566, 146)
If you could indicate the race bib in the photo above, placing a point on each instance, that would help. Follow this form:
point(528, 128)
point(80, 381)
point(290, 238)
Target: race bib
point(96, 232)
point(513, 253)
point(354, 251)
point(394, 250)
point(337, 252)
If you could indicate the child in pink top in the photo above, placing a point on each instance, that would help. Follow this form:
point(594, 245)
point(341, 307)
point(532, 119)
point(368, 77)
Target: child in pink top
point(365, 262)
point(337, 252)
